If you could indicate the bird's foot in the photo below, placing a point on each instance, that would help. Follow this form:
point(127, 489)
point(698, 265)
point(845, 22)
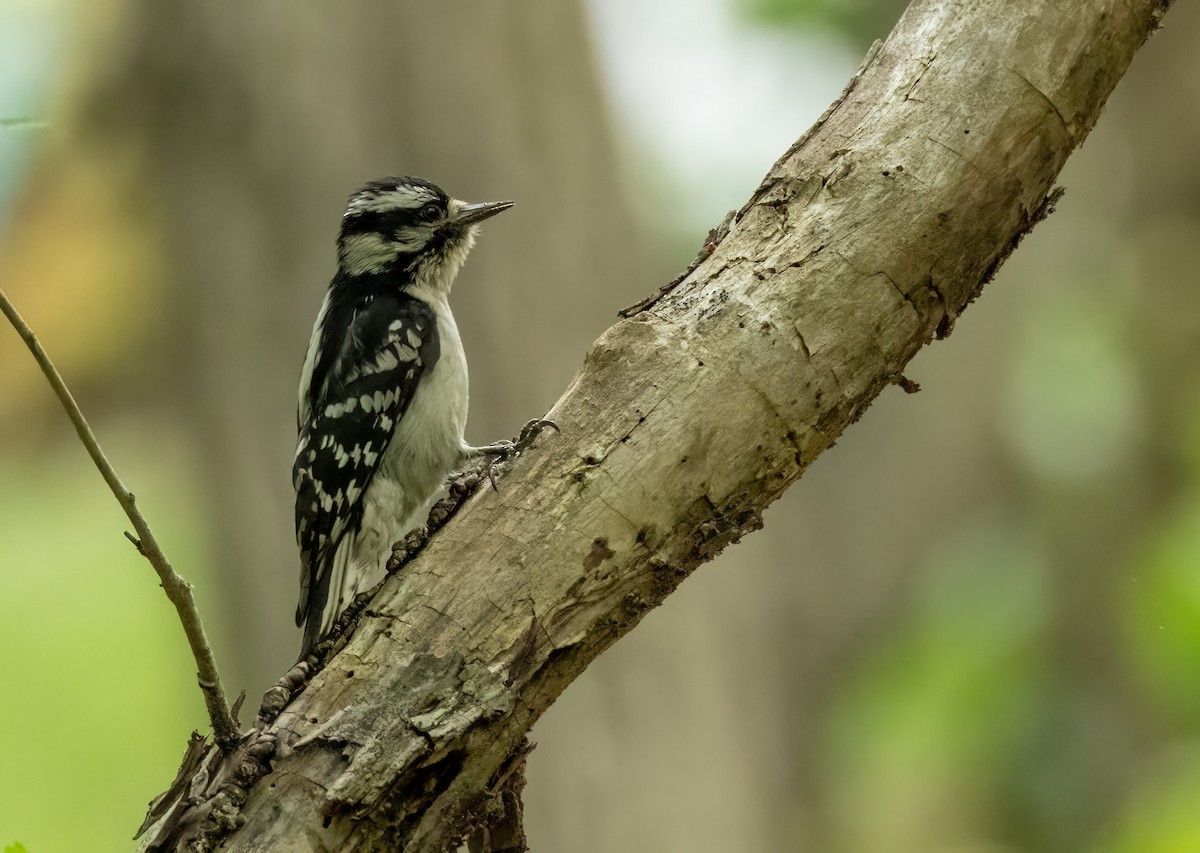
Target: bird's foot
point(500, 453)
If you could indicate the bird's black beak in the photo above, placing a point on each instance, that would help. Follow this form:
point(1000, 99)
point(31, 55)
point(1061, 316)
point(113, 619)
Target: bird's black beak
point(473, 213)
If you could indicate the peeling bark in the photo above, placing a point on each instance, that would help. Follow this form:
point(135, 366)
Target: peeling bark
point(865, 241)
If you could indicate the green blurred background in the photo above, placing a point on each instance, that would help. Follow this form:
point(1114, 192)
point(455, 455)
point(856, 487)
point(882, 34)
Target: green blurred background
point(974, 626)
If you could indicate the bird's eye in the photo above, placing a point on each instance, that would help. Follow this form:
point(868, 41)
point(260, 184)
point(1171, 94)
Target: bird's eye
point(430, 212)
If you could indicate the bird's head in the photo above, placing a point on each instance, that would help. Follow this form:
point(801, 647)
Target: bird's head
point(410, 228)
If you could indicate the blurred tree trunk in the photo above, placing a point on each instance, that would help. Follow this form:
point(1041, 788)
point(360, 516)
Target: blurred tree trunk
point(254, 123)
point(851, 340)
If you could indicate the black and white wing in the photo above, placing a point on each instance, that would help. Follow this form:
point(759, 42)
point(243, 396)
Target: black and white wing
point(359, 390)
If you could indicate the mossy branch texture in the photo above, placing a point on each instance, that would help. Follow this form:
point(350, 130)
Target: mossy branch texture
point(864, 242)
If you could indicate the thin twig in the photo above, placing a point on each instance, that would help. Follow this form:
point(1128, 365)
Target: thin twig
point(179, 591)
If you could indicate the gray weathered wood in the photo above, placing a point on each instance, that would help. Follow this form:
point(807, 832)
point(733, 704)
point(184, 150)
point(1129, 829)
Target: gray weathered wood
point(864, 242)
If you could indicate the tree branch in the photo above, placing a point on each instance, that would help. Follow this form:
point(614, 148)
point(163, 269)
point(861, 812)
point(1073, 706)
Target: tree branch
point(865, 241)
point(179, 591)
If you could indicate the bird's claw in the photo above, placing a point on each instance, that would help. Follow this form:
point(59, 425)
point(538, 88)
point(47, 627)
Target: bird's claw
point(505, 451)
point(532, 430)
point(499, 459)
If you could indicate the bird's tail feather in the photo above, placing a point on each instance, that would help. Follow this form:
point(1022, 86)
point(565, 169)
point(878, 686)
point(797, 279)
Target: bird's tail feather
point(339, 583)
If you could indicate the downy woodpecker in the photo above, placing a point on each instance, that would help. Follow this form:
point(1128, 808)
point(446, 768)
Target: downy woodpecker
point(383, 393)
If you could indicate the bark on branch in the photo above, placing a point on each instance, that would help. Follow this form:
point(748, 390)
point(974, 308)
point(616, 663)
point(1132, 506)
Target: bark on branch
point(864, 242)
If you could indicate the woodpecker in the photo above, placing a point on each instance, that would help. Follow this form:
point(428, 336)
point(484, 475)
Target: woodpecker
point(383, 392)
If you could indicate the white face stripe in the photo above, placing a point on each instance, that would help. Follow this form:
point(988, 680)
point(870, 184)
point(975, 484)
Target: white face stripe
point(401, 198)
point(364, 253)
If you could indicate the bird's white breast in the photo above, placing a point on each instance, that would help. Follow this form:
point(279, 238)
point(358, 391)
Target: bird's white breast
point(425, 447)
point(428, 439)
